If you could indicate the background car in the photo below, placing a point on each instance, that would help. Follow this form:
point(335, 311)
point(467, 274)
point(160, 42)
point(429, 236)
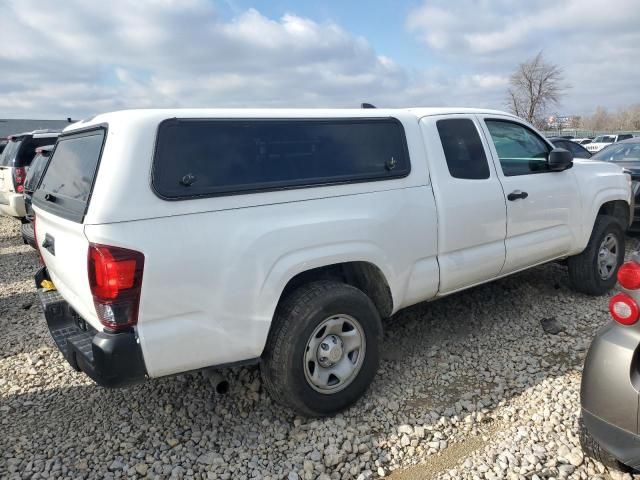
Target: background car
point(14, 162)
point(602, 141)
point(3, 144)
point(627, 155)
point(38, 165)
point(611, 379)
point(582, 141)
point(578, 150)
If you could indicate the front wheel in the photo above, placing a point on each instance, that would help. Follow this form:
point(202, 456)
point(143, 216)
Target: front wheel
point(322, 351)
point(594, 270)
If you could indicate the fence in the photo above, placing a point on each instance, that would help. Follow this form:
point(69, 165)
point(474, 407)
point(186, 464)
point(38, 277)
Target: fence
point(581, 133)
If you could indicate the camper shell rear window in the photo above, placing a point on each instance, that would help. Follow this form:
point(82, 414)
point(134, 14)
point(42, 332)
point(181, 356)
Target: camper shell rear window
point(211, 157)
point(67, 183)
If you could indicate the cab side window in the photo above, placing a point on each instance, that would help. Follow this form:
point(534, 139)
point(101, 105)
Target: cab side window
point(463, 149)
point(520, 150)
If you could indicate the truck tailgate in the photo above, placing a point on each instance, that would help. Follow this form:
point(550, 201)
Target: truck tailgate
point(64, 248)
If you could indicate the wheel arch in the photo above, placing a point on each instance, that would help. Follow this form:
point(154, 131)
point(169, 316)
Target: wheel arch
point(365, 276)
point(608, 201)
point(619, 209)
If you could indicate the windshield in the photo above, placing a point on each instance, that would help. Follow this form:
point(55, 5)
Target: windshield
point(604, 139)
point(619, 152)
point(9, 154)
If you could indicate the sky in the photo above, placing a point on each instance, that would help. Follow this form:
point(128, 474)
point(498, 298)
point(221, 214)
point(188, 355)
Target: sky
point(77, 58)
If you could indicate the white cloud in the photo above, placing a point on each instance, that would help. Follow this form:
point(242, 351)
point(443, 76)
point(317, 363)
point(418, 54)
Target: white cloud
point(77, 58)
point(164, 53)
point(596, 42)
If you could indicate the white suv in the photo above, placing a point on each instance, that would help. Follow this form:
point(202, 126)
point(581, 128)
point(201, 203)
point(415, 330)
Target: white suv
point(14, 163)
point(602, 141)
point(177, 240)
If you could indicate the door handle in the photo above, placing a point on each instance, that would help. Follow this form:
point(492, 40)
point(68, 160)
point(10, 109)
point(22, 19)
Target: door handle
point(516, 194)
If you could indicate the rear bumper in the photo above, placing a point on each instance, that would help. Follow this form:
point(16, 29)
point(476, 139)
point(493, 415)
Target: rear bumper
point(622, 444)
point(110, 359)
point(609, 391)
point(12, 204)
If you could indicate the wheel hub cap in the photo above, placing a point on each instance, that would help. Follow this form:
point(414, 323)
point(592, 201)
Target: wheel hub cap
point(608, 256)
point(334, 354)
point(330, 351)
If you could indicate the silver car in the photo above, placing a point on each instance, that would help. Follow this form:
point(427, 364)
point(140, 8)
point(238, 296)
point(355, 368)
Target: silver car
point(611, 379)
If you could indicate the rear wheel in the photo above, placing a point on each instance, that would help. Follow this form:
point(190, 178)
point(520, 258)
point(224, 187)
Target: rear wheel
point(322, 351)
point(594, 270)
point(28, 237)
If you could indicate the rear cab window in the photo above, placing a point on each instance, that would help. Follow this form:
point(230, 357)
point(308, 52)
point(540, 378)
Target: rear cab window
point(212, 157)
point(463, 149)
point(67, 183)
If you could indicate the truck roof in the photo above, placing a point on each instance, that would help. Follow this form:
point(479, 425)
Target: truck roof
point(157, 115)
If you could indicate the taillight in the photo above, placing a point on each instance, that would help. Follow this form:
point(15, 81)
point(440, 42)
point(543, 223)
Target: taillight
point(624, 309)
point(19, 176)
point(115, 277)
point(629, 275)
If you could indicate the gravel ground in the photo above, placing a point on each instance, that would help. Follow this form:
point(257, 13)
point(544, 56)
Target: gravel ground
point(469, 387)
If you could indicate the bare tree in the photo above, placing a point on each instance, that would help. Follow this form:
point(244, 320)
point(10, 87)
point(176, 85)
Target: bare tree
point(600, 120)
point(533, 88)
point(625, 119)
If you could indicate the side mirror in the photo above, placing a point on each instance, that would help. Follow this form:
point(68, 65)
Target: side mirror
point(560, 159)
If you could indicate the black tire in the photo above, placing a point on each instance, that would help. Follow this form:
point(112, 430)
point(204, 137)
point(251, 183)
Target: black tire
point(583, 268)
point(593, 449)
point(296, 319)
point(28, 235)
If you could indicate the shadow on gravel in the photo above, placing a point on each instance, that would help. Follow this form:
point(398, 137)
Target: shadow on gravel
point(21, 323)
point(17, 266)
point(448, 358)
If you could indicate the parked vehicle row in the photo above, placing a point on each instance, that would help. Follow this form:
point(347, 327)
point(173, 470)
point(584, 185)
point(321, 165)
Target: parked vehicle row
point(14, 163)
point(602, 141)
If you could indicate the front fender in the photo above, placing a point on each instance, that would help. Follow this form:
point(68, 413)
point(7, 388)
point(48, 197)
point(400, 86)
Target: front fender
point(599, 183)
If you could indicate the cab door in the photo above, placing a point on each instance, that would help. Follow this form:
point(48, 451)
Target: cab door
point(543, 206)
point(470, 202)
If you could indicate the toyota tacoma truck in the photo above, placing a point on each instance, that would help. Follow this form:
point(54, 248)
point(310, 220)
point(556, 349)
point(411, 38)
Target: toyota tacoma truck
point(180, 240)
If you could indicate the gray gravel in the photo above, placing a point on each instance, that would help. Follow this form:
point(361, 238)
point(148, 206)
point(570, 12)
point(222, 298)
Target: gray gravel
point(470, 386)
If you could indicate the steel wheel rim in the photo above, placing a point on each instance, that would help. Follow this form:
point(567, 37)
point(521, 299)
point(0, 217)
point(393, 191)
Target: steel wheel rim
point(608, 256)
point(334, 354)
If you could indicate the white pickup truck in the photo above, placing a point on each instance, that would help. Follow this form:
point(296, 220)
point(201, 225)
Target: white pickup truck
point(603, 141)
point(179, 240)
